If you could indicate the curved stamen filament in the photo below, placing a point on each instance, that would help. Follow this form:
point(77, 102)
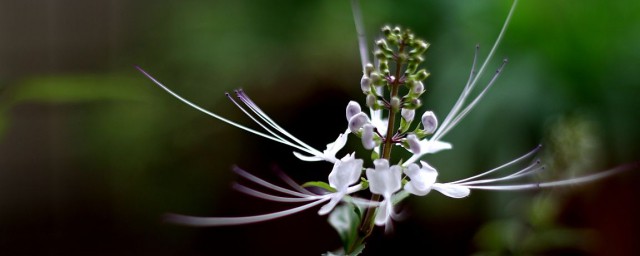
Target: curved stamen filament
point(514, 161)
point(253, 107)
point(227, 221)
point(572, 181)
point(262, 182)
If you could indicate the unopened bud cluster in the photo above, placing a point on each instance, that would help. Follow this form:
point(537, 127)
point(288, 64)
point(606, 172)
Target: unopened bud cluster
point(395, 84)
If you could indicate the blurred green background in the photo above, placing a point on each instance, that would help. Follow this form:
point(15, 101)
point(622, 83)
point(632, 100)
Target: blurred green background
point(92, 153)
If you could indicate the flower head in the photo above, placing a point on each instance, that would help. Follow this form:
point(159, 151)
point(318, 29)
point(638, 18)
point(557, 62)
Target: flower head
point(382, 90)
point(384, 180)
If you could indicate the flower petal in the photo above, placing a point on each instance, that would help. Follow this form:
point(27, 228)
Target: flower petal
point(452, 190)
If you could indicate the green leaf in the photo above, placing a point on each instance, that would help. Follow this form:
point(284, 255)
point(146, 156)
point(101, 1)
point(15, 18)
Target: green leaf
point(345, 220)
point(319, 184)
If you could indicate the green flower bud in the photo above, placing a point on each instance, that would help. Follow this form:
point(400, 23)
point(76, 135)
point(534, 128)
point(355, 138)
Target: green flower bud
point(368, 68)
point(375, 78)
point(419, 48)
point(383, 66)
point(386, 31)
point(412, 66)
point(421, 75)
point(395, 103)
point(396, 31)
point(382, 45)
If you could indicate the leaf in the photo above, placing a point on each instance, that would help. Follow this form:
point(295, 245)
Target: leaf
point(345, 221)
point(319, 184)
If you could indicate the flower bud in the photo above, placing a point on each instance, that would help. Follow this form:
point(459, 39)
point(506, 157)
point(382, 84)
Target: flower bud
point(382, 45)
point(371, 101)
point(353, 108)
point(395, 103)
point(417, 87)
point(419, 47)
point(356, 122)
point(365, 84)
point(412, 66)
point(368, 68)
point(414, 143)
point(396, 31)
point(386, 30)
point(367, 137)
point(375, 78)
point(383, 65)
point(422, 75)
point(430, 122)
point(408, 114)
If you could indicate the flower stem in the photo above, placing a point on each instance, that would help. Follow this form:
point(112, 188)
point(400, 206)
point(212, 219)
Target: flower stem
point(366, 225)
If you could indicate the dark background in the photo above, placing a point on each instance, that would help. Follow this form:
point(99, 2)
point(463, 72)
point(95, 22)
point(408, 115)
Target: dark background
point(92, 154)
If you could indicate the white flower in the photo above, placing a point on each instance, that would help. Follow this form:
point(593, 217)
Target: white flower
point(385, 181)
point(345, 172)
point(328, 154)
point(422, 180)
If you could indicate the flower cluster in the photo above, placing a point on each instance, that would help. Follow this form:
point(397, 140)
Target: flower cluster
point(393, 85)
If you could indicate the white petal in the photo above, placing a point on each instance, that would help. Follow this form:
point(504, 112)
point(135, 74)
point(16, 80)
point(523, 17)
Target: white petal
point(408, 114)
point(356, 122)
point(431, 147)
point(414, 144)
point(345, 172)
point(335, 199)
point(334, 147)
point(367, 137)
point(411, 188)
point(384, 213)
point(384, 180)
point(421, 179)
point(452, 190)
point(430, 122)
point(353, 108)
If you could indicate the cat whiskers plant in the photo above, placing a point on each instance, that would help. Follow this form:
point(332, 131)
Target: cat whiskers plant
point(393, 85)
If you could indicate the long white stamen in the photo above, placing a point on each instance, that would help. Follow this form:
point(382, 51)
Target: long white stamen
point(262, 195)
point(292, 183)
point(245, 99)
point(531, 169)
point(525, 156)
point(259, 181)
point(227, 221)
point(470, 86)
point(283, 140)
point(473, 103)
point(463, 96)
point(193, 105)
point(362, 37)
point(573, 181)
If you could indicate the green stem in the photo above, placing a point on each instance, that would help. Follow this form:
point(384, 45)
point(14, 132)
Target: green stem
point(366, 225)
